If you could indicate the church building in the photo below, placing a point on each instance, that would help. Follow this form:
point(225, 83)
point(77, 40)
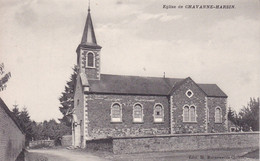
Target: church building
point(128, 106)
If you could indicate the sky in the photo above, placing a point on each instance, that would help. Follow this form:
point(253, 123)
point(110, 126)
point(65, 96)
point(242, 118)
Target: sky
point(38, 41)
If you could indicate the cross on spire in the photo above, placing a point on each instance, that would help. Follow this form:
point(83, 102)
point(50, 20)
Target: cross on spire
point(88, 5)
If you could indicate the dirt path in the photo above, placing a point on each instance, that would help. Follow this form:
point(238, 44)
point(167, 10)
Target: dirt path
point(81, 155)
point(61, 155)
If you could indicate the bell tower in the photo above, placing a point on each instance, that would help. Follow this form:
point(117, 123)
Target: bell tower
point(88, 52)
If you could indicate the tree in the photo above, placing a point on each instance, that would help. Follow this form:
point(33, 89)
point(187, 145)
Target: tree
point(37, 131)
point(250, 115)
point(66, 99)
point(231, 115)
point(234, 118)
point(16, 111)
point(5, 78)
point(51, 130)
point(25, 122)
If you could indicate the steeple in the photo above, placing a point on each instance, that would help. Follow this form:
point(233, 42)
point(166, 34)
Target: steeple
point(88, 51)
point(88, 37)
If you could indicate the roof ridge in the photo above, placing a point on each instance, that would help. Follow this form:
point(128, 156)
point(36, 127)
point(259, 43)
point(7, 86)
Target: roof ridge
point(142, 76)
point(173, 88)
point(207, 84)
point(168, 83)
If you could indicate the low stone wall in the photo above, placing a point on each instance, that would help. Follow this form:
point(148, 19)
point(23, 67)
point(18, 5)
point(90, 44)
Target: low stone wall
point(185, 142)
point(100, 144)
point(66, 140)
point(41, 143)
point(127, 132)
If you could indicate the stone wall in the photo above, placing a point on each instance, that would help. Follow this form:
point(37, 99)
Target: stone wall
point(179, 99)
point(41, 143)
point(100, 125)
point(66, 140)
point(12, 140)
point(185, 142)
point(214, 102)
point(92, 72)
point(100, 145)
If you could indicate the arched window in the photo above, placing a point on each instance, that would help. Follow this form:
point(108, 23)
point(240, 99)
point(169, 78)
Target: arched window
point(138, 113)
point(90, 60)
point(116, 112)
point(189, 113)
point(192, 114)
point(185, 113)
point(218, 115)
point(158, 113)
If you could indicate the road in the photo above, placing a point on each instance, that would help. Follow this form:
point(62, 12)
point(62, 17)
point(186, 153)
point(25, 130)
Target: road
point(61, 155)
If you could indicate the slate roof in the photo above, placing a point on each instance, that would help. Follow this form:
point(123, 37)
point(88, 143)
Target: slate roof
point(88, 37)
point(121, 84)
point(84, 79)
point(212, 90)
point(10, 114)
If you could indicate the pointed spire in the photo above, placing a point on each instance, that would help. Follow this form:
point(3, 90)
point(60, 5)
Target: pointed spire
point(88, 37)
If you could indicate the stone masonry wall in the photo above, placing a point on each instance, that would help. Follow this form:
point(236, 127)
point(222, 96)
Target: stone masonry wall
point(100, 145)
point(179, 100)
point(212, 104)
point(12, 140)
point(185, 142)
point(41, 143)
point(100, 125)
point(66, 140)
point(92, 73)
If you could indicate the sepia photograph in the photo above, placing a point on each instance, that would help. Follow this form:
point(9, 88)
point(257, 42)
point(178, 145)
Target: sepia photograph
point(129, 80)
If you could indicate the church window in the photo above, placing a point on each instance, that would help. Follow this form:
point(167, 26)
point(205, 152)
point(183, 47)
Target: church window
point(189, 93)
point(185, 113)
point(192, 112)
point(138, 113)
point(189, 113)
point(116, 113)
point(218, 115)
point(158, 113)
point(90, 59)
